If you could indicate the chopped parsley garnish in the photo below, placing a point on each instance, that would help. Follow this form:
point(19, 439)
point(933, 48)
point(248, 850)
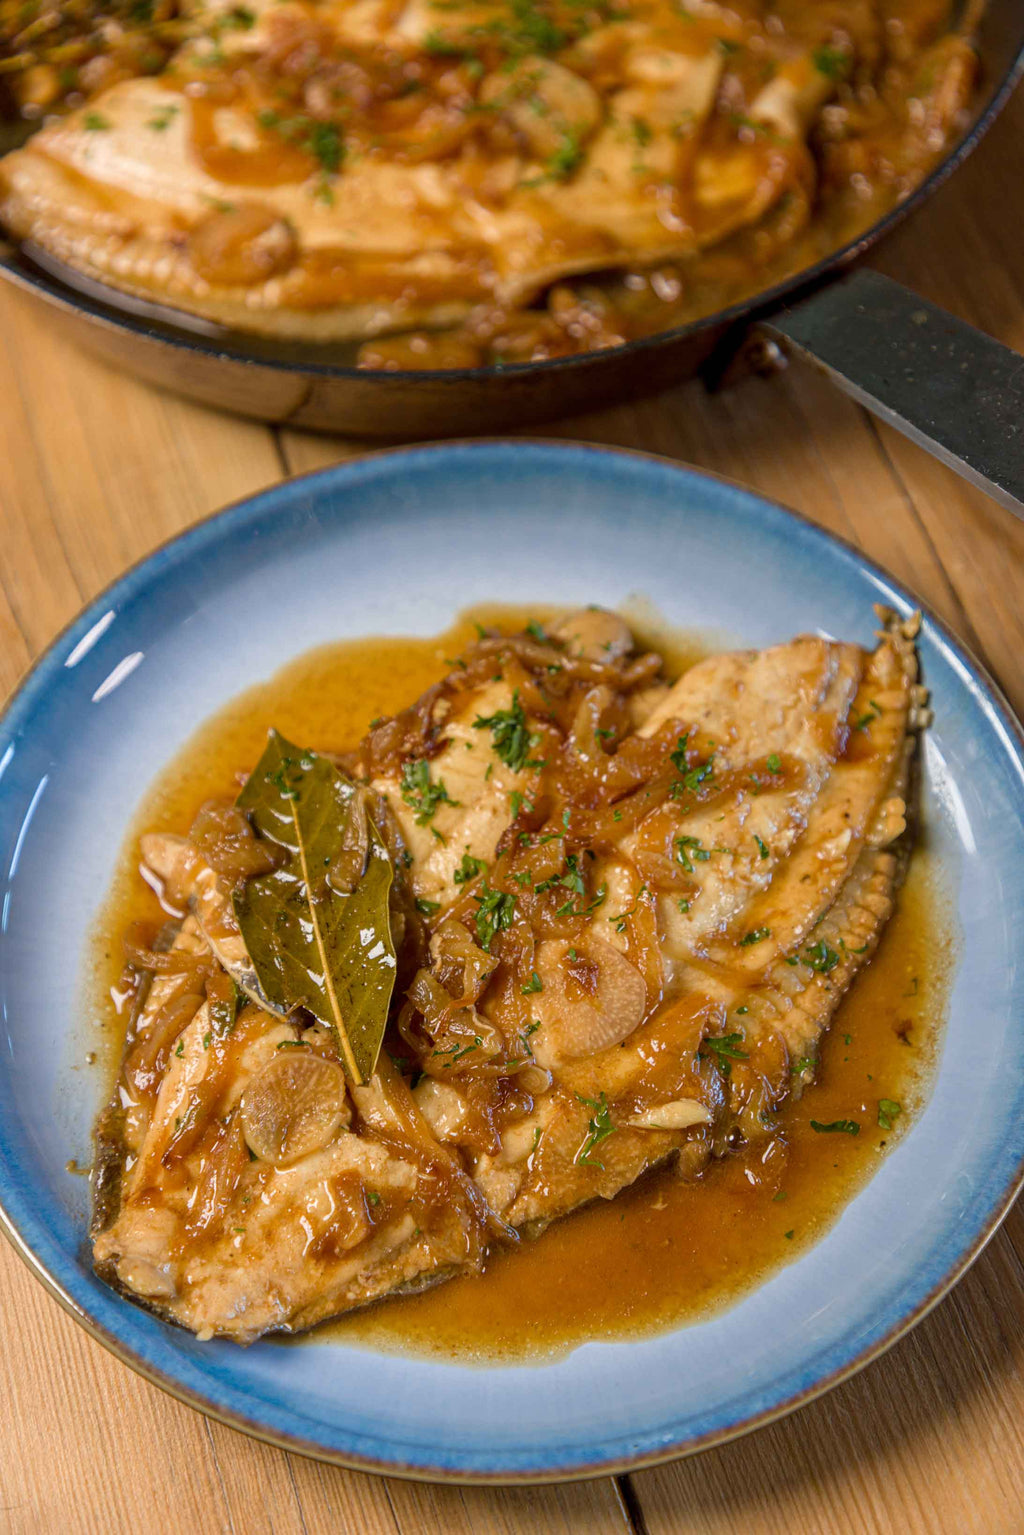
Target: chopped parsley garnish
point(888, 1112)
point(693, 778)
point(326, 145)
point(678, 757)
point(762, 847)
point(820, 958)
point(837, 1126)
point(535, 632)
point(469, 868)
point(773, 764)
point(621, 919)
point(533, 984)
point(756, 935)
point(510, 734)
point(321, 140)
point(572, 879)
point(805, 1063)
point(723, 1050)
point(456, 1053)
point(599, 1127)
point(689, 850)
point(871, 713)
point(834, 63)
point(420, 794)
point(162, 119)
point(495, 913)
point(95, 122)
point(427, 908)
point(642, 132)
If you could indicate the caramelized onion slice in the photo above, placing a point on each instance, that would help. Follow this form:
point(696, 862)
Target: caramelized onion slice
point(293, 1107)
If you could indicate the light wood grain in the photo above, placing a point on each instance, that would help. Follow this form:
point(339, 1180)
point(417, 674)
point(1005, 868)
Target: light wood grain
point(94, 471)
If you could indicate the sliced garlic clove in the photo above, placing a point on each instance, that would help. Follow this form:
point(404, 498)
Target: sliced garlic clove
point(295, 1106)
point(679, 1115)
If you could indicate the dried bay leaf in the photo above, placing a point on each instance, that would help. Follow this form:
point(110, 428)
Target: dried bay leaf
point(311, 943)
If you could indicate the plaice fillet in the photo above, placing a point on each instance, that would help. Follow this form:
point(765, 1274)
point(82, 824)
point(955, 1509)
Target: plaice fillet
point(638, 908)
point(335, 171)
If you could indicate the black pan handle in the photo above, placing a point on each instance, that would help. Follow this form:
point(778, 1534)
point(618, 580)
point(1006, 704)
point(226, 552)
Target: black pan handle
point(939, 381)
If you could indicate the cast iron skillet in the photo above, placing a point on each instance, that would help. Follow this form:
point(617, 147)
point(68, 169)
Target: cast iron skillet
point(944, 383)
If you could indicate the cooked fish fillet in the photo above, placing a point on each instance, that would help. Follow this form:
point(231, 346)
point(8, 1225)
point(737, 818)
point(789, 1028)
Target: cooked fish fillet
point(335, 171)
point(636, 941)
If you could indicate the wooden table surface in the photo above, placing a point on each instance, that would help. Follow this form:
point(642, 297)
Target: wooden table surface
point(95, 469)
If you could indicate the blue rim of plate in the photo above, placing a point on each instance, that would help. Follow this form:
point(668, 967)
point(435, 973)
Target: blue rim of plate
point(28, 1233)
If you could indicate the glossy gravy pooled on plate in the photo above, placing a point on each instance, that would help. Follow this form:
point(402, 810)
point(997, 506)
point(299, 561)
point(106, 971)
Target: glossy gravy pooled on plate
point(666, 1250)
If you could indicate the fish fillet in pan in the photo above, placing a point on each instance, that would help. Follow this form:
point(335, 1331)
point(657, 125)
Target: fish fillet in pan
point(334, 171)
point(623, 912)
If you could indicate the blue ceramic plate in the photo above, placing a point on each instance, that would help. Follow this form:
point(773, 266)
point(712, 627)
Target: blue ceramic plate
point(394, 544)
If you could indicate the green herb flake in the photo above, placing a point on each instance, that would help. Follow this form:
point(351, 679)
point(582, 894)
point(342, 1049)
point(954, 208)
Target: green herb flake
point(495, 914)
point(468, 869)
point(533, 984)
point(833, 63)
point(162, 119)
point(888, 1112)
point(871, 713)
point(95, 122)
point(599, 1127)
point(427, 908)
point(756, 935)
point(510, 734)
point(836, 1127)
point(621, 919)
point(762, 847)
point(723, 1050)
point(692, 779)
point(820, 958)
point(419, 793)
point(689, 850)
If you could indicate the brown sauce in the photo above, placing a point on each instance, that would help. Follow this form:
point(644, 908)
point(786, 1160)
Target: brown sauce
point(664, 1252)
